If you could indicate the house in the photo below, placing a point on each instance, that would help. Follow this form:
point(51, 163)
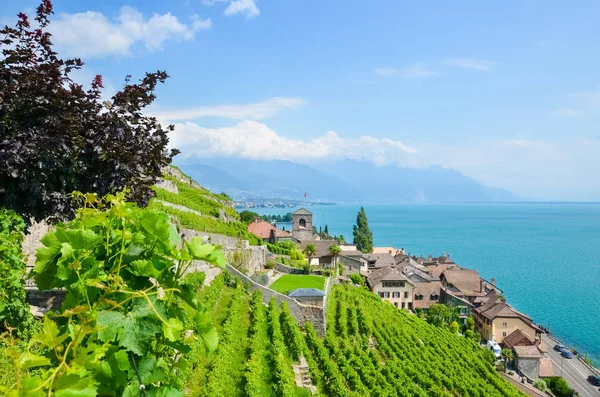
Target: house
point(426, 294)
point(495, 320)
point(323, 257)
point(388, 250)
point(437, 270)
point(417, 275)
point(462, 306)
point(352, 264)
point(393, 286)
point(517, 338)
point(379, 260)
point(269, 232)
point(527, 360)
point(464, 283)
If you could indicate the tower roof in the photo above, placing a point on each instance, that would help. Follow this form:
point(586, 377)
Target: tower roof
point(302, 211)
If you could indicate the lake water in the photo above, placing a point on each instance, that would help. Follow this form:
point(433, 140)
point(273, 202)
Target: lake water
point(545, 257)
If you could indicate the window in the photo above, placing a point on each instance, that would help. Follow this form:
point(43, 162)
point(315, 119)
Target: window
point(504, 324)
point(403, 305)
point(381, 294)
point(419, 297)
point(410, 305)
point(395, 294)
point(405, 294)
point(387, 294)
point(504, 334)
point(389, 284)
point(303, 223)
point(396, 304)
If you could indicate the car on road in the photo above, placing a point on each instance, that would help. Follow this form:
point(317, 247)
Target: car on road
point(566, 354)
point(559, 348)
point(594, 380)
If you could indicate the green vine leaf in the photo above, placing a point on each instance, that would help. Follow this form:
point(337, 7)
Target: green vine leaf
point(207, 331)
point(48, 335)
point(172, 329)
point(29, 360)
point(75, 386)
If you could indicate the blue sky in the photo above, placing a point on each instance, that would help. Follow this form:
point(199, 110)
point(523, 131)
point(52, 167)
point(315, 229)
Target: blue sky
point(506, 92)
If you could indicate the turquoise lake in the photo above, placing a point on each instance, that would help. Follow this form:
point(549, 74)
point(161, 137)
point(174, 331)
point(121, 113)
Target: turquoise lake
point(545, 257)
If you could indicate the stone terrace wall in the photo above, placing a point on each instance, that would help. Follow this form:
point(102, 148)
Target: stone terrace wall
point(302, 313)
point(280, 267)
point(250, 258)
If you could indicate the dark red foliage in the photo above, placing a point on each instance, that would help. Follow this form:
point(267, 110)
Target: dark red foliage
point(56, 138)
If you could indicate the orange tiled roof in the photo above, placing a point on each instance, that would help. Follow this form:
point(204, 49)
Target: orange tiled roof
point(263, 230)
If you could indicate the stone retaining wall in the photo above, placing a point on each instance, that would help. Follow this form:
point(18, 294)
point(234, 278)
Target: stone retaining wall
point(251, 258)
point(280, 267)
point(302, 313)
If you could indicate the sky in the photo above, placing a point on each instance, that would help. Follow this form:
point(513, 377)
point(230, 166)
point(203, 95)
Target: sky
point(505, 92)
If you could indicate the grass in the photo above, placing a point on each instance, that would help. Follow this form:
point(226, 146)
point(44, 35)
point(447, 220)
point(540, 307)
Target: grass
point(290, 282)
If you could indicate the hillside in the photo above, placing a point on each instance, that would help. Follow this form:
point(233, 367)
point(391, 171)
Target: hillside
point(370, 349)
point(197, 208)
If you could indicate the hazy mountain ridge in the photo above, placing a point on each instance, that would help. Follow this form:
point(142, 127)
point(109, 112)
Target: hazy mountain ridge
point(342, 181)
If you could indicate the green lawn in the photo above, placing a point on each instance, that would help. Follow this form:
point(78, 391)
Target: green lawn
point(290, 282)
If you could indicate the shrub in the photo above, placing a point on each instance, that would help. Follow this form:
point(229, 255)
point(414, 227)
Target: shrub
point(357, 279)
point(14, 309)
point(500, 367)
point(271, 263)
point(56, 137)
point(540, 384)
point(559, 387)
point(306, 267)
point(326, 273)
point(296, 254)
point(454, 327)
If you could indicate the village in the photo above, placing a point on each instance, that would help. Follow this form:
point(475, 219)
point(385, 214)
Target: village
point(415, 284)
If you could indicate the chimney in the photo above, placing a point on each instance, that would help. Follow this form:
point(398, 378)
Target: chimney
point(257, 219)
point(444, 253)
point(493, 281)
point(429, 257)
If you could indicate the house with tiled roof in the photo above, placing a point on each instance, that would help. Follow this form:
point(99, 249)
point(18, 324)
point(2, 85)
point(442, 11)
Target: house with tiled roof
point(426, 294)
point(323, 257)
point(379, 260)
point(496, 319)
point(393, 286)
point(465, 283)
point(269, 232)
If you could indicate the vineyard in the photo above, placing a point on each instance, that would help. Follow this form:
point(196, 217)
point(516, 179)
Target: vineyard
point(370, 349)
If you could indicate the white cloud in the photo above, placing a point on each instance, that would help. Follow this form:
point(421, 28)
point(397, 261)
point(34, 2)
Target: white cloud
point(254, 111)
point(247, 7)
point(535, 169)
point(92, 34)
point(254, 140)
point(413, 70)
point(569, 112)
point(470, 63)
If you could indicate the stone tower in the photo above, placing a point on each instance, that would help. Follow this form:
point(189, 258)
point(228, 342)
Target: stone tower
point(302, 225)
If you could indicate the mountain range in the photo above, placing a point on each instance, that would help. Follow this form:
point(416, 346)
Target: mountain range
point(338, 181)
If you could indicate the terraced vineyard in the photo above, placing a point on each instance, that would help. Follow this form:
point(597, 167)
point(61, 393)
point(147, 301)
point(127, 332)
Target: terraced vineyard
point(370, 349)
